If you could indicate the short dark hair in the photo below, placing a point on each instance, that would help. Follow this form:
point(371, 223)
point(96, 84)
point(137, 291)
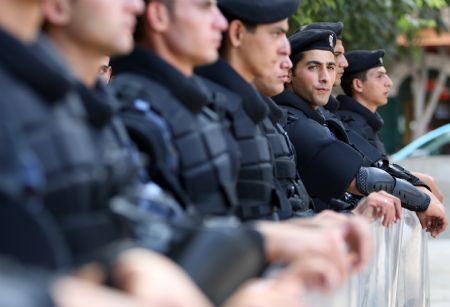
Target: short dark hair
point(297, 58)
point(250, 27)
point(139, 31)
point(346, 82)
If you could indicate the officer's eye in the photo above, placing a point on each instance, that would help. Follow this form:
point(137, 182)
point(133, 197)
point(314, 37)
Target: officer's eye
point(331, 67)
point(104, 69)
point(313, 67)
point(207, 4)
point(277, 34)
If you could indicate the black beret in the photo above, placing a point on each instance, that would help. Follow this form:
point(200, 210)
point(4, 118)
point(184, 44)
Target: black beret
point(311, 40)
point(336, 27)
point(362, 60)
point(258, 11)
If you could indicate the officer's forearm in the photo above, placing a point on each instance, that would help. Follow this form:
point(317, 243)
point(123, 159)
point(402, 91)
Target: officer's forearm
point(370, 179)
point(429, 181)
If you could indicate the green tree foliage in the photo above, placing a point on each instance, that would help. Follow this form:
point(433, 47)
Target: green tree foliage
point(373, 24)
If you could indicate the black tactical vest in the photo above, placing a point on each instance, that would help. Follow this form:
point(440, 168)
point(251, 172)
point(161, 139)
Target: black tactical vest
point(285, 168)
point(259, 192)
point(28, 233)
point(118, 156)
point(54, 126)
point(204, 168)
point(255, 183)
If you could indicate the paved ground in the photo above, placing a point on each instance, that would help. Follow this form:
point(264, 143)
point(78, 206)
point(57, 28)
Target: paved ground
point(439, 250)
point(439, 255)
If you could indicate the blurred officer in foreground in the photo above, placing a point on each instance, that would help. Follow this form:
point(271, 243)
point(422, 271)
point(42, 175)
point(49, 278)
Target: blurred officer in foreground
point(166, 111)
point(22, 81)
point(47, 127)
point(323, 152)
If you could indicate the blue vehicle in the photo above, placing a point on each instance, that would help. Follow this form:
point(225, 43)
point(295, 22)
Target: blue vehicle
point(434, 143)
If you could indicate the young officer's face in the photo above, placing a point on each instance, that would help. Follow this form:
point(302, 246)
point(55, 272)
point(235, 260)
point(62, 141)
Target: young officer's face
point(273, 84)
point(195, 32)
point(314, 77)
point(341, 61)
point(375, 89)
point(261, 48)
point(106, 25)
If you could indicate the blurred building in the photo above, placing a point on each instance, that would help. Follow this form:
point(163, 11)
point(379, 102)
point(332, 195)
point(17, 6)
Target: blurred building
point(418, 82)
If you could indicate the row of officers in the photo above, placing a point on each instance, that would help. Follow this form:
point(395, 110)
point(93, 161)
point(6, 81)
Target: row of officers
point(216, 151)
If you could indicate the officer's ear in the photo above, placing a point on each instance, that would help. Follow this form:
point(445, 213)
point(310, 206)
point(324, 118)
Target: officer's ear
point(357, 85)
point(57, 12)
point(290, 75)
point(158, 16)
point(236, 33)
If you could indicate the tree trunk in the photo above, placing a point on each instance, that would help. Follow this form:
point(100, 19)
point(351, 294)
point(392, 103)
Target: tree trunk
point(423, 121)
point(423, 109)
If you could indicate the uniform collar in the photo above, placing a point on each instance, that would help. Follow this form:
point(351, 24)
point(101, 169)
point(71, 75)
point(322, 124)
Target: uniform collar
point(146, 63)
point(98, 102)
point(332, 105)
point(276, 114)
point(350, 104)
point(290, 99)
point(222, 73)
point(34, 66)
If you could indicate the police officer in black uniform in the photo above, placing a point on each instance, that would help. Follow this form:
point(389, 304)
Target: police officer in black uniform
point(48, 121)
point(168, 117)
point(265, 153)
point(283, 150)
point(358, 106)
point(332, 106)
point(304, 121)
point(370, 157)
point(329, 109)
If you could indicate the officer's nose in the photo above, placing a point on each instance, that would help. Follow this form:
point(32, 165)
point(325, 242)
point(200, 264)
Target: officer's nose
point(136, 6)
point(220, 22)
point(324, 75)
point(285, 48)
point(286, 63)
point(343, 62)
point(285, 52)
point(389, 82)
